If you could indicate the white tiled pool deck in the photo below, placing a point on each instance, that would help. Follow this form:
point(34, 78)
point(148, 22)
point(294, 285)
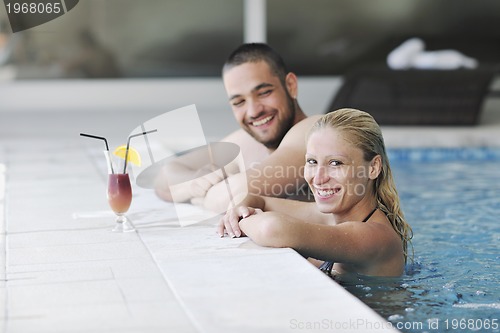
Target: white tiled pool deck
point(62, 270)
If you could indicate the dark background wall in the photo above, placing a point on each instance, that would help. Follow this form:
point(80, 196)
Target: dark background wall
point(158, 38)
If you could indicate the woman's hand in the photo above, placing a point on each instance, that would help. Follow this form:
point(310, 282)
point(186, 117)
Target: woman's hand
point(230, 221)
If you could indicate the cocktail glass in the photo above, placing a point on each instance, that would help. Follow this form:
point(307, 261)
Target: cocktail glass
point(119, 199)
point(119, 187)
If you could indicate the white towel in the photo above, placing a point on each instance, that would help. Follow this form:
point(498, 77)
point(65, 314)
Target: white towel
point(412, 54)
point(402, 56)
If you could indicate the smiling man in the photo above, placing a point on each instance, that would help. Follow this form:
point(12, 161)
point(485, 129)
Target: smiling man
point(263, 97)
point(262, 94)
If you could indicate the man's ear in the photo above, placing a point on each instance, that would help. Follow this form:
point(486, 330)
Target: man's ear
point(375, 167)
point(291, 84)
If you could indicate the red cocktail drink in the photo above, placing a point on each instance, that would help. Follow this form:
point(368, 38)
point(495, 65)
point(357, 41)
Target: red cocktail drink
point(119, 187)
point(119, 192)
point(120, 198)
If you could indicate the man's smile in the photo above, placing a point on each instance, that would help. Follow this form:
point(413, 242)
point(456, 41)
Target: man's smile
point(262, 121)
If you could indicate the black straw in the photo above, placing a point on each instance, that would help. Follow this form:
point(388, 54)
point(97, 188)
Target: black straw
point(107, 147)
point(128, 145)
point(96, 137)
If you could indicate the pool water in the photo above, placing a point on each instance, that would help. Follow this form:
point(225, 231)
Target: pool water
point(452, 201)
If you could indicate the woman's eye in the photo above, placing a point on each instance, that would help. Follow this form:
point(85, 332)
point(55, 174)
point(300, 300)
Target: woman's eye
point(310, 161)
point(335, 163)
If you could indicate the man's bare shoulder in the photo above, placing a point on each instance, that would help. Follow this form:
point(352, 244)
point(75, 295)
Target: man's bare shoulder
point(252, 150)
point(238, 137)
point(297, 134)
point(307, 122)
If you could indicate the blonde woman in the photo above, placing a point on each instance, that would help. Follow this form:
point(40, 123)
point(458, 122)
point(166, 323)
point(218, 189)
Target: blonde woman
point(356, 224)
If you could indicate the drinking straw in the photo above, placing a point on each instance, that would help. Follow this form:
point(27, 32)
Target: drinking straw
point(105, 142)
point(128, 145)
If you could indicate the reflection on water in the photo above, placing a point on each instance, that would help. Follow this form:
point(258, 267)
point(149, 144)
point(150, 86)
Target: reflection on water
point(452, 285)
point(426, 300)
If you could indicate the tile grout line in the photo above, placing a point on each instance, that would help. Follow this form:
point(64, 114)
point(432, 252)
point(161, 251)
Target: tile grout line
point(169, 283)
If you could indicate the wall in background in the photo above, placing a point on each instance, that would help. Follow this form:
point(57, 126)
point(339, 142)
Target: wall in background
point(157, 38)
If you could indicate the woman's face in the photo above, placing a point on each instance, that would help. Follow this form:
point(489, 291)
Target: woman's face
point(337, 173)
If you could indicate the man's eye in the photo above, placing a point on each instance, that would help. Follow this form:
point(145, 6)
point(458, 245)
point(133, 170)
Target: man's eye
point(265, 93)
point(238, 103)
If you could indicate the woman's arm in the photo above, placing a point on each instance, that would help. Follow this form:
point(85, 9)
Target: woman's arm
point(305, 211)
point(355, 243)
point(230, 221)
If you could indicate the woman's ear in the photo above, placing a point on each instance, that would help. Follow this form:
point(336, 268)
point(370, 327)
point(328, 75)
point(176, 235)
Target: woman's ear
point(291, 84)
point(375, 167)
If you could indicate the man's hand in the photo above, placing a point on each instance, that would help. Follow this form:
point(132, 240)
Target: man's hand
point(181, 184)
point(199, 186)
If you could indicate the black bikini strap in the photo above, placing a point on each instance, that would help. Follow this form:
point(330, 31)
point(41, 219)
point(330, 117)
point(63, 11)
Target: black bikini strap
point(327, 266)
point(370, 215)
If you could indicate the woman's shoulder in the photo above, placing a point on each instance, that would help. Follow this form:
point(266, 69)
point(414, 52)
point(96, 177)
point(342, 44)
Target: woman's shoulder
point(376, 236)
point(379, 247)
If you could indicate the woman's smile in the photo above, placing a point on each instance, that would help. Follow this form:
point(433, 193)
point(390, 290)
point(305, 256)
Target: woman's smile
point(326, 193)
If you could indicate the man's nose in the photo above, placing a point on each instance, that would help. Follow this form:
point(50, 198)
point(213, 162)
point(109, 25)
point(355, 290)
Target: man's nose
point(255, 108)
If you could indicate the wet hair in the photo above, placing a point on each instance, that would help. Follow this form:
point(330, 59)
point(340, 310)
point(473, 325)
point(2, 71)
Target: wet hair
point(255, 52)
point(364, 132)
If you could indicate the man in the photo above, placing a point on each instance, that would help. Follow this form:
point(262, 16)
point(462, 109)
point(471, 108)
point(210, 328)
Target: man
point(263, 97)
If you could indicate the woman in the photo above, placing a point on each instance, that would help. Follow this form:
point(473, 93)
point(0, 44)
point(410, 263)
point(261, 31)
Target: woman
point(356, 224)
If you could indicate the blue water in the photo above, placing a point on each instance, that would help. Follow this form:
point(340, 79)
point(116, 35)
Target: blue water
point(451, 198)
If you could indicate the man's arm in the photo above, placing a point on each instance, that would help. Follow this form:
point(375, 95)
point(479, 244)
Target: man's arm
point(183, 180)
point(281, 174)
point(190, 175)
point(180, 183)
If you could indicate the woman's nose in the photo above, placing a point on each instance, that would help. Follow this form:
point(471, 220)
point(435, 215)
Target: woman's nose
point(321, 176)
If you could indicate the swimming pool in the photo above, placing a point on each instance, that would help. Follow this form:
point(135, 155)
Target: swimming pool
point(451, 197)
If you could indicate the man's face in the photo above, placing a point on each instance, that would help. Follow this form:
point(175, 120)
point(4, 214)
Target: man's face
point(261, 104)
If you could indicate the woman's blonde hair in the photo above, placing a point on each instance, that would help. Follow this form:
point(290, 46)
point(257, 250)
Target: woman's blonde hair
point(364, 132)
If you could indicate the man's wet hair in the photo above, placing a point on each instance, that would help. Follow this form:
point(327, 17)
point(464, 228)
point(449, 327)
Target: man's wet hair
point(255, 52)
